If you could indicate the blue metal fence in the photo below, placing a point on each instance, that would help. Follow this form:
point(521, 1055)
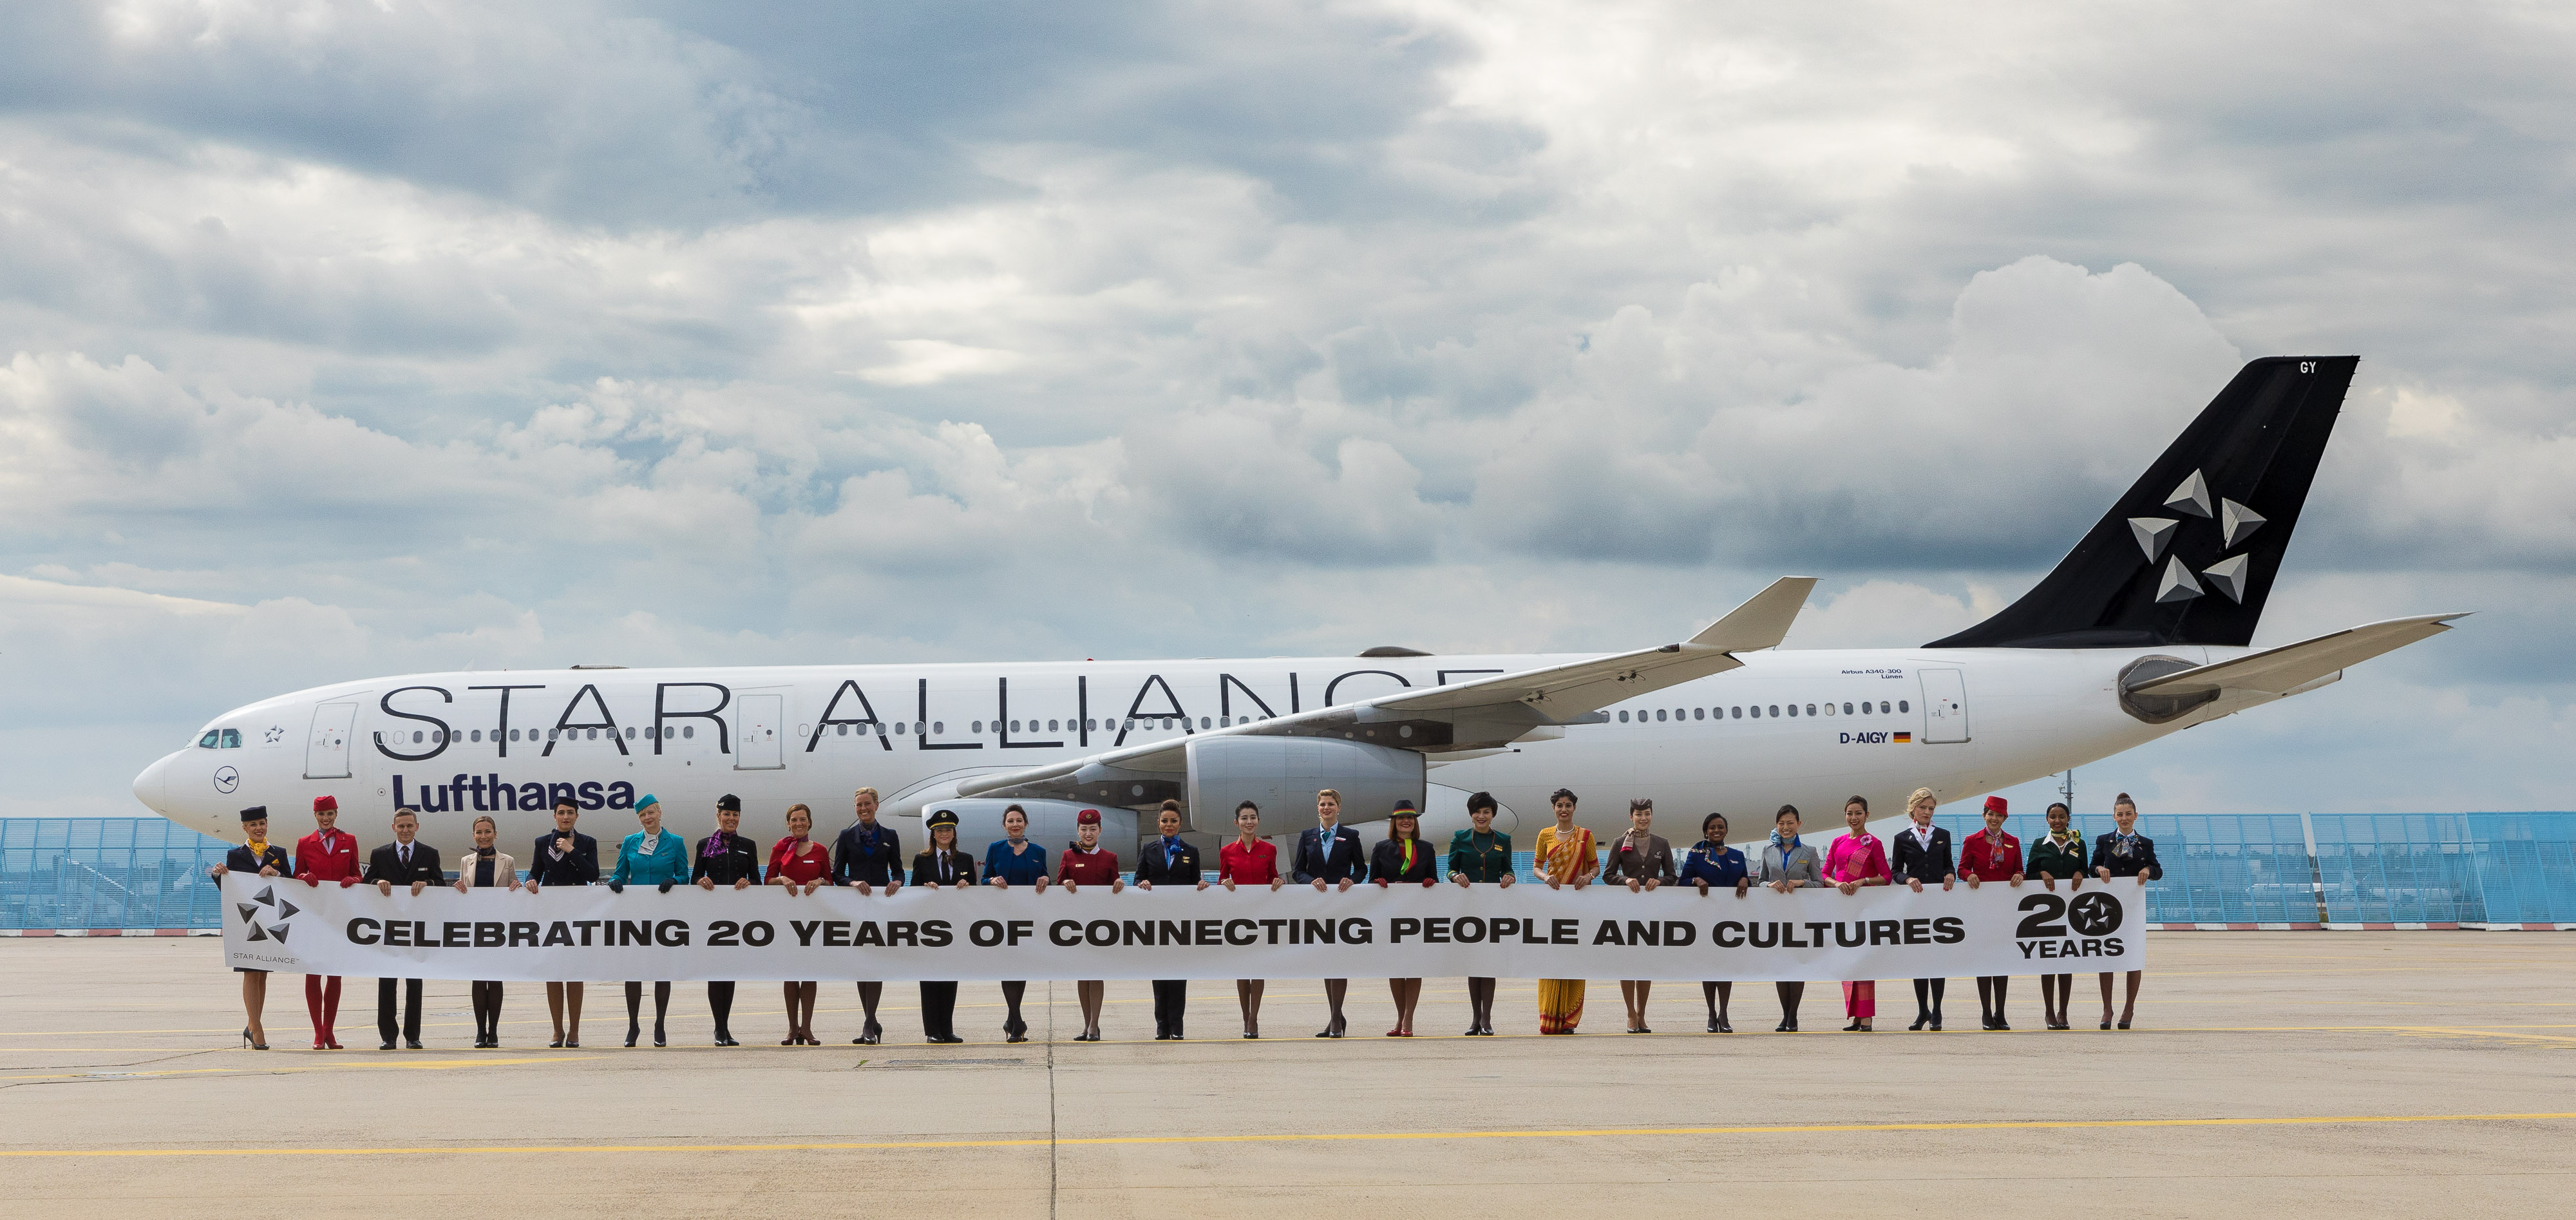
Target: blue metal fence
point(2464, 868)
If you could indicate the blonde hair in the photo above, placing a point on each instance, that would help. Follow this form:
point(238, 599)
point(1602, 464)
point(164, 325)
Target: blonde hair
point(481, 818)
point(1321, 793)
point(1920, 795)
point(868, 792)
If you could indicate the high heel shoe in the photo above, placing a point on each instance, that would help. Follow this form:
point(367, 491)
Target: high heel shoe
point(1723, 1026)
point(557, 1044)
point(632, 1033)
point(2124, 1023)
point(1920, 1021)
point(1852, 1028)
point(330, 1043)
point(257, 1046)
point(658, 1039)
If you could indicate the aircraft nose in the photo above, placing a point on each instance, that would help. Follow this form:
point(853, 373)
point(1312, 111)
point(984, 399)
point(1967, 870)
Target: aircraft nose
point(153, 786)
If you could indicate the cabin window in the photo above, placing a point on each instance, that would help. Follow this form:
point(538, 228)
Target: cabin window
point(978, 726)
point(1203, 723)
point(899, 727)
point(1811, 709)
point(690, 731)
point(1050, 726)
point(1775, 709)
point(1793, 709)
point(630, 733)
point(1903, 706)
point(1699, 713)
point(938, 727)
point(1623, 717)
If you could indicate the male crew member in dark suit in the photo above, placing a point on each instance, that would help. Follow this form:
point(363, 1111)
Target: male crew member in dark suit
point(402, 862)
point(1330, 854)
point(566, 857)
point(1923, 854)
point(1168, 861)
point(866, 856)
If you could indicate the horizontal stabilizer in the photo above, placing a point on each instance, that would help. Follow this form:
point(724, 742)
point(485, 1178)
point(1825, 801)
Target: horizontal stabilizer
point(1763, 620)
point(2280, 671)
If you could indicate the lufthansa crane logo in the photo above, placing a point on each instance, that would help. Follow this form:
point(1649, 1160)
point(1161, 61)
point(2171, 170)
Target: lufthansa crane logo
point(264, 906)
point(226, 779)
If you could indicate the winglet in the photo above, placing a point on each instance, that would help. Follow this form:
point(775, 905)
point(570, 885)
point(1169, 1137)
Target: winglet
point(1763, 620)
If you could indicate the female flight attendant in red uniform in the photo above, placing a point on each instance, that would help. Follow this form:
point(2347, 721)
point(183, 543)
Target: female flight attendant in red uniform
point(327, 854)
point(1991, 855)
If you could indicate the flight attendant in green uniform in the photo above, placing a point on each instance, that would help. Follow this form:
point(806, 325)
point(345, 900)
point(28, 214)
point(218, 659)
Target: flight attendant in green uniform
point(1482, 856)
point(2056, 856)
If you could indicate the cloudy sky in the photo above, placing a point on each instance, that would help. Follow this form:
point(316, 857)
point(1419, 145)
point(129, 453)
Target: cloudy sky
point(347, 339)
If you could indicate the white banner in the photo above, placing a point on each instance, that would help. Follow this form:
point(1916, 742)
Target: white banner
point(1525, 931)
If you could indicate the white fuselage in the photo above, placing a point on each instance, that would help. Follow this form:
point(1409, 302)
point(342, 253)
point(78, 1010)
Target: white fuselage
point(441, 743)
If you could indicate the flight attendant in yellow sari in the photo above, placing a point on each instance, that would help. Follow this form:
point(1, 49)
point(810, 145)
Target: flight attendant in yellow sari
point(1566, 856)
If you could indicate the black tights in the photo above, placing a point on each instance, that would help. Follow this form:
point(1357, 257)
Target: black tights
point(1480, 1002)
point(1716, 994)
point(1012, 992)
point(635, 1002)
point(1790, 994)
point(720, 1000)
point(1990, 994)
point(487, 1009)
point(1927, 997)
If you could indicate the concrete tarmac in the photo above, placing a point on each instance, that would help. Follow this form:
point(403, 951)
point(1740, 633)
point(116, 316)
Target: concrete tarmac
point(2373, 1074)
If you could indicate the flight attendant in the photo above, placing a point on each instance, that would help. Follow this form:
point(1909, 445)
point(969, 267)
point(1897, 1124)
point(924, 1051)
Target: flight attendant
point(649, 857)
point(730, 859)
point(402, 862)
point(865, 857)
point(1480, 855)
point(1404, 859)
point(1249, 860)
point(487, 867)
point(1789, 865)
point(1643, 860)
point(1711, 864)
point(1015, 861)
point(326, 854)
point(258, 855)
point(1992, 855)
point(2054, 857)
point(801, 865)
point(1923, 856)
point(1565, 856)
point(1857, 860)
point(1329, 853)
point(1169, 861)
point(566, 857)
point(941, 866)
point(1088, 863)
point(2125, 853)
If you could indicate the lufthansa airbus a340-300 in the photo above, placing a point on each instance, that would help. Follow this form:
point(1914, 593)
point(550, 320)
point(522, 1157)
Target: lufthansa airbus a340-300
point(2142, 630)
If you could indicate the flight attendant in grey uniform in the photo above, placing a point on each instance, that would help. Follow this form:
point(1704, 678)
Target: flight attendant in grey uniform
point(1789, 865)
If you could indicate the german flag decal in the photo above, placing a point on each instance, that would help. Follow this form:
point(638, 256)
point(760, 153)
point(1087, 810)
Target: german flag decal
point(1903, 738)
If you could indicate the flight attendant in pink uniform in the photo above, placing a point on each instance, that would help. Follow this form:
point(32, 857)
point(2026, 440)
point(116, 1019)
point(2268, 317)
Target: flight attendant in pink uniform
point(1857, 859)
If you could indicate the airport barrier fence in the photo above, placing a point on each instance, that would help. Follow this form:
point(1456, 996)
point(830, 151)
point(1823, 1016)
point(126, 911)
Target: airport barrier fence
point(147, 875)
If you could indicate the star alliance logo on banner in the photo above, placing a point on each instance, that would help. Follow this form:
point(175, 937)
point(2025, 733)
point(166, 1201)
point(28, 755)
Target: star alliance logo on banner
point(280, 909)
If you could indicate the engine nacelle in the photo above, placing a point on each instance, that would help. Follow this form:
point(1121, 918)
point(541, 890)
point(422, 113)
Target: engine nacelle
point(1282, 774)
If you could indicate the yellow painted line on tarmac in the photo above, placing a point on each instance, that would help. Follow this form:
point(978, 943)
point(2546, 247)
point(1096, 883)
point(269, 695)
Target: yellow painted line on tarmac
point(1317, 1136)
point(264, 1067)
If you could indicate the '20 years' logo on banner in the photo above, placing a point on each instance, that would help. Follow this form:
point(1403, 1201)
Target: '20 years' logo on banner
point(2058, 926)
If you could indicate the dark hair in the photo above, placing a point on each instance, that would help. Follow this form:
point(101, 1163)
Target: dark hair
point(1174, 806)
point(1238, 810)
point(1703, 823)
point(2054, 806)
point(562, 801)
point(2123, 799)
point(1786, 811)
point(1482, 800)
point(1012, 808)
point(1563, 794)
point(1636, 803)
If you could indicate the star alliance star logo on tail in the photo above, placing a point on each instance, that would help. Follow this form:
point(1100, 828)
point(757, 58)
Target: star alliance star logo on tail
point(2236, 523)
point(280, 909)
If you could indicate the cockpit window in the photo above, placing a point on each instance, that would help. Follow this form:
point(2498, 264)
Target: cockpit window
point(208, 741)
point(220, 739)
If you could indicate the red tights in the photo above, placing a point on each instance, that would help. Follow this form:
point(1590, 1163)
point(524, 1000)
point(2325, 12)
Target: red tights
point(322, 1003)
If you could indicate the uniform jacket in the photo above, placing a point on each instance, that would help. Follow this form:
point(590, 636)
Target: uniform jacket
point(580, 866)
point(926, 868)
point(669, 861)
point(385, 864)
point(1099, 866)
point(1022, 869)
point(1715, 863)
point(1654, 860)
point(1986, 863)
point(1318, 860)
point(858, 856)
point(1179, 865)
point(332, 860)
point(502, 869)
point(1800, 864)
point(2136, 857)
point(1484, 863)
point(2047, 857)
point(1386, 863)
point(240, 860)
point(1914, 862)
point(737, 859)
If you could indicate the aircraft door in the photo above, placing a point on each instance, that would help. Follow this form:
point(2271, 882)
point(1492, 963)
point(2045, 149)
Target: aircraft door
point(757, 735)
point(1945, 705)
point(326, 753)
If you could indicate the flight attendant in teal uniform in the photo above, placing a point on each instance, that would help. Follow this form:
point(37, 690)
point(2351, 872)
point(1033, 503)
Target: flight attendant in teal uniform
point(655, 857)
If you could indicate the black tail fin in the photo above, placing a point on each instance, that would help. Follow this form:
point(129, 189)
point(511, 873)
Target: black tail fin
point(2188, 555)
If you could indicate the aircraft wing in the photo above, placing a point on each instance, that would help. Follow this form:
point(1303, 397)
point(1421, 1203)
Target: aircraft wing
point(1484, 713)
point(2284, 670)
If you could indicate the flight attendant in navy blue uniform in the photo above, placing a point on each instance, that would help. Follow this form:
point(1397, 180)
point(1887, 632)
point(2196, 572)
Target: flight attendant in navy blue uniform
point(868, 856)
point(1329, 854)
point(2125, 853)
point(1169, 861)
point(566, 857)
point(269, 860)
point(1015, 861)
point(1921, 854)
point(1711, 865)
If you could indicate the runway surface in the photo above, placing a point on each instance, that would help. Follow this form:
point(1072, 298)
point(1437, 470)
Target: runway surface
point(2376, 1074)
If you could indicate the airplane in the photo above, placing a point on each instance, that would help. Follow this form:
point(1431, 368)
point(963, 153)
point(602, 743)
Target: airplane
point(2143, 630)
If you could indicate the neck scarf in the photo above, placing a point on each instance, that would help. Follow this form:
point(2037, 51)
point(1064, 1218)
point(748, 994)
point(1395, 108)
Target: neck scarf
point(1787, 845)
point(715, 846)
point(257, 849)
point(486, 853)
point(1408, 852)
point(1171, 851)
